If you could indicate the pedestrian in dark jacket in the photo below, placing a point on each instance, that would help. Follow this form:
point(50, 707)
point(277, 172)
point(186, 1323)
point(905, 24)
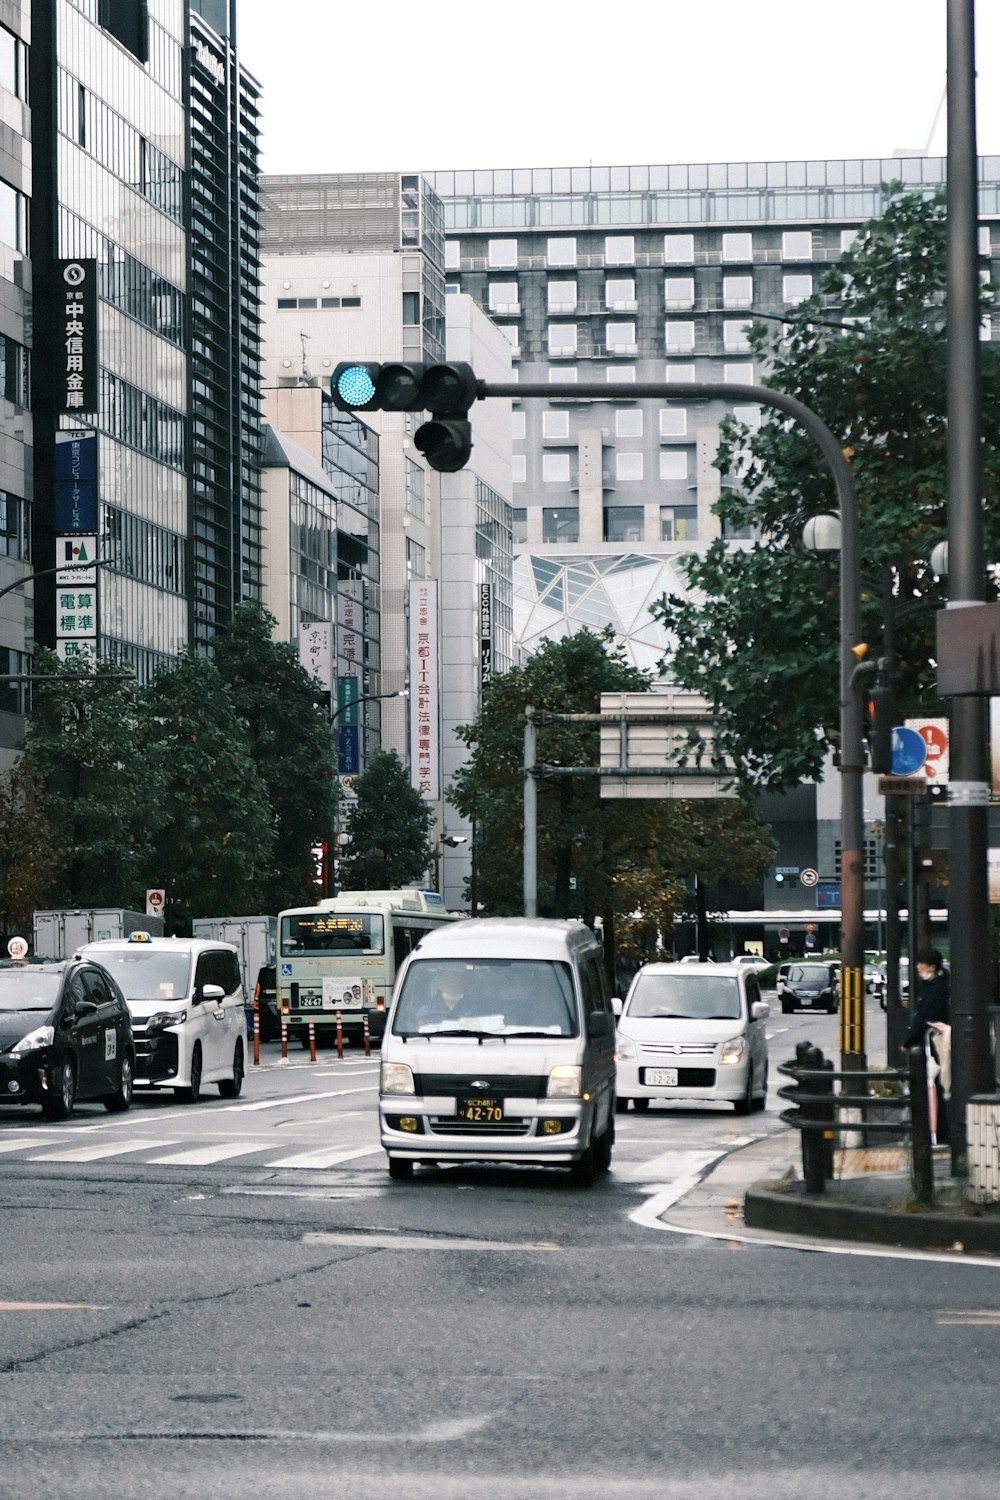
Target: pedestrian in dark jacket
point(931, 1005)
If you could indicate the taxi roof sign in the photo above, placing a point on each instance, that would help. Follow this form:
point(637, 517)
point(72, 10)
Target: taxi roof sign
point(140, 937)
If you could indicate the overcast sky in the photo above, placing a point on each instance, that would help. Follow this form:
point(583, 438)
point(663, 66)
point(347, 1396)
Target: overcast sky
point(389, 85)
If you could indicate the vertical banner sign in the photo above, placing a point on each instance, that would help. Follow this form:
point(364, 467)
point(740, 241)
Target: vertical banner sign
point(316, 652)
point(76, 543)
point(77, 383)
point(425, 708)
point(485, 632)
point(349, 665)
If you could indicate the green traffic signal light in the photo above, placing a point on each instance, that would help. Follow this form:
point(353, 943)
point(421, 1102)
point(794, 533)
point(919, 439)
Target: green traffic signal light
point(447, 391)
point(353, 386)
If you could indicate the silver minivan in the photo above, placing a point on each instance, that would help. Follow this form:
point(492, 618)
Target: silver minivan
point(499, 1047)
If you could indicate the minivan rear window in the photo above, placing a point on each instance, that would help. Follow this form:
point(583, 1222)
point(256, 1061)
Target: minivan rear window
point(691, 997)
point(487, 997)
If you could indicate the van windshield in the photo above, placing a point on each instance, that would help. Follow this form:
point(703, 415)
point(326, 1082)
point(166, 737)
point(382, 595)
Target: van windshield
point(487, 997)
point(145, 974)
point(691, 997)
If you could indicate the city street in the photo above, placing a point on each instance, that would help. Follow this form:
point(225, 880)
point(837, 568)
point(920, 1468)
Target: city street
point(233, 1299)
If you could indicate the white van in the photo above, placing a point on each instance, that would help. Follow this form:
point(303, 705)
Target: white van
point(499, 1046)
point(185, 996)
point(693, 1032)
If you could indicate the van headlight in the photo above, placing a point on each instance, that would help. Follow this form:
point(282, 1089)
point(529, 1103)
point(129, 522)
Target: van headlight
point(565, 1081)
point(161, 1019)
point(625, 1049)
point(42, 1036)
point(396, 1078)
point(733, 1051)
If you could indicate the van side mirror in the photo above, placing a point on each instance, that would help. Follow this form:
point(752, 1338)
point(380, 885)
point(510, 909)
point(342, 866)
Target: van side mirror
point(599, 1024)
point(617, 1005)
point(760, 1010)
point(209, 992)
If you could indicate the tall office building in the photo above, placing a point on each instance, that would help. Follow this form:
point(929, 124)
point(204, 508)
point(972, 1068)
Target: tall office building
point(644, 273)
point(144, 223)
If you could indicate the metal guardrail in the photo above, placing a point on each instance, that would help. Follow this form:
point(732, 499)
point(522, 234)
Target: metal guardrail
point(821, 1112)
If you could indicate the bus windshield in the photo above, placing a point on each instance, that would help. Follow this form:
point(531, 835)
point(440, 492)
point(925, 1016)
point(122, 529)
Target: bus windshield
point(325, 934)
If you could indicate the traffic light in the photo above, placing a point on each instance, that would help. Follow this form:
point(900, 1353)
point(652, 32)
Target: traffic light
point(447, 391)
point(881, 720)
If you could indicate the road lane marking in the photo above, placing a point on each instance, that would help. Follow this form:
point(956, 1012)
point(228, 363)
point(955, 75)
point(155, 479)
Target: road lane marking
point(7, 1147)
point(376, 1241)
point(99, 1152)
point(288, 1099)
point(204, 1156)
point(324, 1158)
point(53, 1307)
point(667, 1166)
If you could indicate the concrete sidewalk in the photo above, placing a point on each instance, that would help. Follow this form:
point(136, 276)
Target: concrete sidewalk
point(756, 1193)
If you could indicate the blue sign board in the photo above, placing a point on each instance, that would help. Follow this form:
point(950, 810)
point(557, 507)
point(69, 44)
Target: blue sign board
point(347, 747)
point(76, 483)
point(828, 893)
point(909, 751)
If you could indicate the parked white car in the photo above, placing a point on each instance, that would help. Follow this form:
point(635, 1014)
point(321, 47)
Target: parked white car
point(693, 1032)
point(185, 996)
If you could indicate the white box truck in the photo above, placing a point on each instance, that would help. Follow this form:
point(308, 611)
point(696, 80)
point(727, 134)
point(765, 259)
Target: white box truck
point(58, 934)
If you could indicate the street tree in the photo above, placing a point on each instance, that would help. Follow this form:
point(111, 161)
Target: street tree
point(86, 742)
point(215, 844)
point(758, 633)
point(287, 725)
point(388, 827)
point(30, 862)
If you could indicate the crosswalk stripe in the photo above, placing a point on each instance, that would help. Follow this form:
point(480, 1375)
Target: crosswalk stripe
point(327, 1158)
point(203, 1156)
point(7, 1147)
point(666, 1166)
point(99, 1151)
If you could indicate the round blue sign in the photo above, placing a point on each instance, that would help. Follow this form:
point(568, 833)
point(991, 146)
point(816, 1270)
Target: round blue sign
point(909, 751)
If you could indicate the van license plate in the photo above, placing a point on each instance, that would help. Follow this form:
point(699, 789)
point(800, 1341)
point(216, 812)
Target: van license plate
point(480, 1110)
point(664, 1078)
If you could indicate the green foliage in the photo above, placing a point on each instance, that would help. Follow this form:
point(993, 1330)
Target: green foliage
point(286, 722)
point(389, 828)
point(759, 634)
point(103, 798)
point(29, 861)
point(216, 839)
point(621, 857)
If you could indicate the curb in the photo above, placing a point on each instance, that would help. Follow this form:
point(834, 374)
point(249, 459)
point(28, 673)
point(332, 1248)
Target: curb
point(794, 1213)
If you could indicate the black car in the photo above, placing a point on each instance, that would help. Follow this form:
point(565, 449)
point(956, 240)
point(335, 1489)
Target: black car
point(811, 986)
point(65, 1034)
point(266, 996)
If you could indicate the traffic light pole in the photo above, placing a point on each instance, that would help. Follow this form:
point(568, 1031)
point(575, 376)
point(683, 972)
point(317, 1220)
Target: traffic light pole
point(852, 954)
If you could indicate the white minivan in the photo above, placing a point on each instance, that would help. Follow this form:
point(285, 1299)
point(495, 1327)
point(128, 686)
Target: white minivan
point(185, 996)
point(499, 1047)
point(693, 1032)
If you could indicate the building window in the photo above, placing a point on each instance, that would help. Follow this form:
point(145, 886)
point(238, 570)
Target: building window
point(628, 421)
point(737, 247)
point(411, 309)
point(15, 526)
point(13, 218)
point(678, 374)
point(737, 291)
point(985, 248)
point(674, 465)
point(620, 338)
point(564, 377)
point(452, 255)
point(13, 64)
point(734, 336)
point(561, 252)
point(795, 289)
point(620, 374)
point(502, 255)
point(562, 525)
point(414, 489)
point(619, 292)
point(562, 340)
point(519, 525)
point(678, 523)
point(678, 249)
point(416, 559)
point(797, 244)
point(555, 468)
point(673, 422)
point(680, 338)
point(518, 426)
point(619, 250)
point(518, 468)
point(738, 374)
point(512, 333)
point(503, 298)
point(678, 291)
point(624, 523)
point(747, 416)
point(628, 467)
point(555, 424)
point(847, 239)
point(562, 296)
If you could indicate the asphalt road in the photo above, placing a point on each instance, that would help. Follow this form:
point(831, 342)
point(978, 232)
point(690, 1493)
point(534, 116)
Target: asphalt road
point(232, 1299)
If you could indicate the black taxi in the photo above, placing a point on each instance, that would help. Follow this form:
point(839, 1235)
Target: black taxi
point(65, 1034)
